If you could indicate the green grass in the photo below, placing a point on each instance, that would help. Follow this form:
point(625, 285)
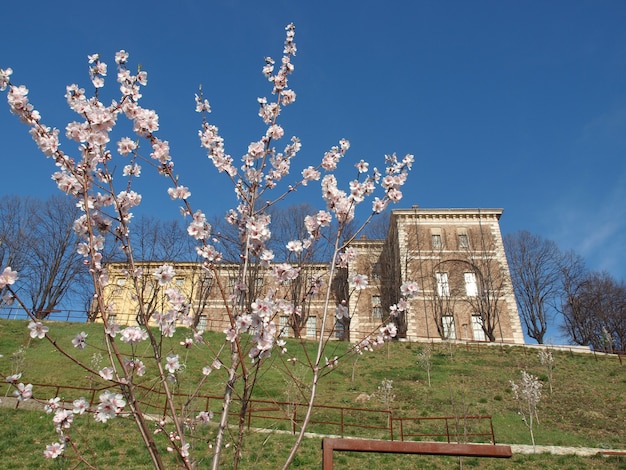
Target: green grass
point(587, 407)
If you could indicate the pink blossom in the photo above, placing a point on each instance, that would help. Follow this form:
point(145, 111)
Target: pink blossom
point(330, 363)
point(282, 344)
point(80, 406)
point(199, 228)
point(12, 379)
point(362, 166)
point(5, 75)
point(295, 246)
point(128, 199)
point(106, 373)
point(18, 101)
point(110, 405)
point(288, 97)
point(52, 405)
point(79, 340)
point(208, 252)
point(172, 363)
point(275, 132)
point(394, 194)
point(146, 121)
point(204, 417)
point(136, 366)
point(202, 105)
point(126, 146)
point(132, 170)
point(142, 78)
point(47, 139)
point(266, 257)
point(231, 334)
point(184, 450)
point(379, 205)
point(358, 281)
point(342, 311)
point(323, 218)
point(179, 192)
point(63, 418)
point(8, 299)
point(121, 57)
point(133, 335)
point(388, 331)
point(284, 272)
point(37, 329)
point(7, 277)
point(310, 174)
point(54, 450)
point(164, 274)
point(23, 392)
point(408, 160)
point(112, 329)
point(409, 289)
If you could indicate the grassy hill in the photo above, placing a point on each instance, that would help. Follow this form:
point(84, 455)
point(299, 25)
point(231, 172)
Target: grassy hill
point(587, 407)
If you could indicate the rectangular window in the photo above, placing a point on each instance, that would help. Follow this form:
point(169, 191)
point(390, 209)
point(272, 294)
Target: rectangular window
point(376, 271)
point(477, 328)
point(232, 284)
point(443, 288)
point(207, 284)
point(149, 288)
point(311, 327)
point(463, 241)
point(284, 326)
point(205, 288)
point(202, 323)
point(339, 329)
point(377, 308)
point(471, 288)
point(449, 331)
point(436, 241)
point(119, 283)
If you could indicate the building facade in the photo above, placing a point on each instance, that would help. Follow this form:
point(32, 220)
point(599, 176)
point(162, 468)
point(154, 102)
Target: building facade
point(456, 256)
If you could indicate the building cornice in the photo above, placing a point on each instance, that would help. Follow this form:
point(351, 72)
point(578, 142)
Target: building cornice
point(443, 214)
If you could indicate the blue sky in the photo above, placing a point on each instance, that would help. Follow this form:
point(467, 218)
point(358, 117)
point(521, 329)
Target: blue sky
point(512, 104)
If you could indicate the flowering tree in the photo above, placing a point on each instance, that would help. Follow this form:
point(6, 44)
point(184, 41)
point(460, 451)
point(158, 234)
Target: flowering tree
point(528, 394)
point(424, 359)
point(107, 198)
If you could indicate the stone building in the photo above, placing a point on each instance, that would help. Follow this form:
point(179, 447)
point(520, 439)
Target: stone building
point(455, 255)
point(457, 258)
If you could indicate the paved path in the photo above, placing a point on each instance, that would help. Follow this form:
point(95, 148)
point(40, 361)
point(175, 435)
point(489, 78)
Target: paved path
point(562, 450)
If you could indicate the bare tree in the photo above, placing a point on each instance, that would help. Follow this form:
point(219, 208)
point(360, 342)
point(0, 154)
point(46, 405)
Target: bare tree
point(537, 267)
point(595, 312)
point(38, 239)
point(491, 281)
point(15, 236)
point(378, 228)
